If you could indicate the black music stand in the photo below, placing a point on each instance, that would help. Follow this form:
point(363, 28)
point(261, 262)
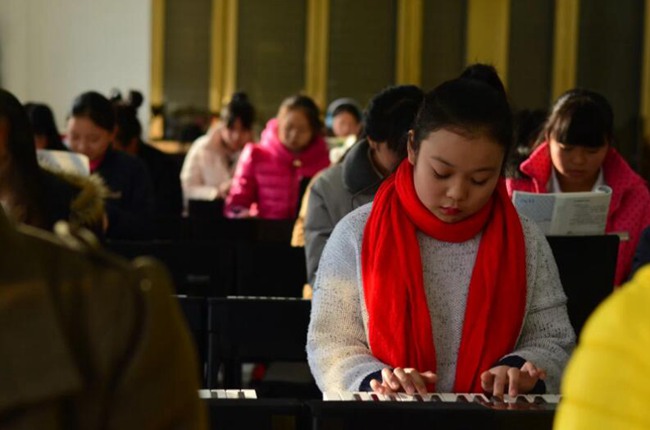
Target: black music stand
point(269, 269)
point(587, 266)
point(257, 329)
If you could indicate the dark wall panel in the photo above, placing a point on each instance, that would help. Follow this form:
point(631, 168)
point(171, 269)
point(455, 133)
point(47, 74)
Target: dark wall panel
point(610, 62)
point(443, 40)
point(271, 52)
point(361, 48)
point(531, 53)
point(187, 53)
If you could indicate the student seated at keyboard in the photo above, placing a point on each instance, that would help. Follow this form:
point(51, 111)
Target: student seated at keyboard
point(439, 284)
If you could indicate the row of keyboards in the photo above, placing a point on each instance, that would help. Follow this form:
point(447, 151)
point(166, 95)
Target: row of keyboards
point(241, 409)
point(365, 396)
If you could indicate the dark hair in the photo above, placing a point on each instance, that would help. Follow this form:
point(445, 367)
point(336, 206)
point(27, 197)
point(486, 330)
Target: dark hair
point(581, 117)
point(341, 105)
point(238, 108)
point(465, 105)
point(390, 114)
point(19, 172)
point(308, 107)
point(528, 126)
point(485, 73)
point(126, 116)
point(42, 121)
point(348, 108)
point(96, 107)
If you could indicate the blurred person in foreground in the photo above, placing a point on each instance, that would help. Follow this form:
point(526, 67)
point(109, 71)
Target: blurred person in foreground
point(88, 340)
point(604, 386)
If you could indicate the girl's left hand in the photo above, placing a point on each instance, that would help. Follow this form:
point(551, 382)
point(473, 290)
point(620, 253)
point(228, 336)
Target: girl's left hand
point(518, 381)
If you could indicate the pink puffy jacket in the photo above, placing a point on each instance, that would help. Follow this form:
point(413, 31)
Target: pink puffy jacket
point(629, 209)
point(269, 175)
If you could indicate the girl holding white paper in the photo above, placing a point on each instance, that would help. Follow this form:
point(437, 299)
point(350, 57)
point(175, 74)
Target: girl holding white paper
point(577, 154)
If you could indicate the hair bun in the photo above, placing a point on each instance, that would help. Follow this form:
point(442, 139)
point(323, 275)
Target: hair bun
point(239, 97)
point(135, 99)
point(115, 95)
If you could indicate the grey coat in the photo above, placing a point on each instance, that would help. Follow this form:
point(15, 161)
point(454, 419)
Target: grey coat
point(337, 191)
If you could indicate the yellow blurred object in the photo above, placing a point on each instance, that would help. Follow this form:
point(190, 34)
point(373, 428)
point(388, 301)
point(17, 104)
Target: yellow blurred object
point(606, 384)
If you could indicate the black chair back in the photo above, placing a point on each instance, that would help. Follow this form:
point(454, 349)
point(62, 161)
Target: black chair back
point(255, 329)
point(587, 266)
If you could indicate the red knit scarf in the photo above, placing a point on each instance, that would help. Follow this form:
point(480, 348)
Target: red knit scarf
point(399, 322)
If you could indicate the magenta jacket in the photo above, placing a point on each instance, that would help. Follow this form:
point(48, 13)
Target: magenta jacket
point(629, 210)
point(269, 175)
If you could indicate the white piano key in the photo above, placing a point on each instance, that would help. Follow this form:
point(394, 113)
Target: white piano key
point(331, 396)
point(403, 397)
point(447, 397)
point(250, 394)
point(232, 394)
point(552, 398)
point(365, 396)
point(204, 394)
point(347, 396)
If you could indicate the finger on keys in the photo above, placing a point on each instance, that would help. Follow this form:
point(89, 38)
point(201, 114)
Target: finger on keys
point(390, 379)
point(379, 388)
point(513, 378)
point(500, 381)
point(405, 380)
point(487, 381)
point(418, 382)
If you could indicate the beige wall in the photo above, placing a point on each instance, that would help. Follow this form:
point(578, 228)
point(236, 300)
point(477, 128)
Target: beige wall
point(52, 50)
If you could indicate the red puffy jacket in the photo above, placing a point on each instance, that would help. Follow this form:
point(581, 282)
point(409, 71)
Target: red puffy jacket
point(629, 209)
point(269, 175)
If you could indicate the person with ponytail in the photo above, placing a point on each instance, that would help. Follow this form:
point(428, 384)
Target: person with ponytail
point(210, 163)
point(439, 284)
point(162, 168)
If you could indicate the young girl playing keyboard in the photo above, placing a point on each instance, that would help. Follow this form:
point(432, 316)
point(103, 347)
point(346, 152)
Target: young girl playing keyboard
point(439, 284)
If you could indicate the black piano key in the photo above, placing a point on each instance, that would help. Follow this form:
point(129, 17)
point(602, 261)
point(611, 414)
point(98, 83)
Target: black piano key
point(539, 400)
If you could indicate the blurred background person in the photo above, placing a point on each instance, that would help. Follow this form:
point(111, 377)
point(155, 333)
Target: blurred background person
point(272, 175)
point(210, 163)
point(528, 126)
point(355, 180)
point(164, 174)
point(46, 134)
point(344, 125)
point(130, 202)
point(33, 195)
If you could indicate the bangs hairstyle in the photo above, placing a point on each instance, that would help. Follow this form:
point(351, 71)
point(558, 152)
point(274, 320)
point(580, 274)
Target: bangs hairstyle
point(95, 107)
point(239, 108)
point(308, 107)
point(581, 118)
point(468, 107)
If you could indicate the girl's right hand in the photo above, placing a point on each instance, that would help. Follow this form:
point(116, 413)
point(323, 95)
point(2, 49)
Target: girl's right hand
point(399, 379)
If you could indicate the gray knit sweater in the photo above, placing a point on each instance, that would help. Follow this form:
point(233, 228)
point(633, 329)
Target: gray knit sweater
point(337, 342)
